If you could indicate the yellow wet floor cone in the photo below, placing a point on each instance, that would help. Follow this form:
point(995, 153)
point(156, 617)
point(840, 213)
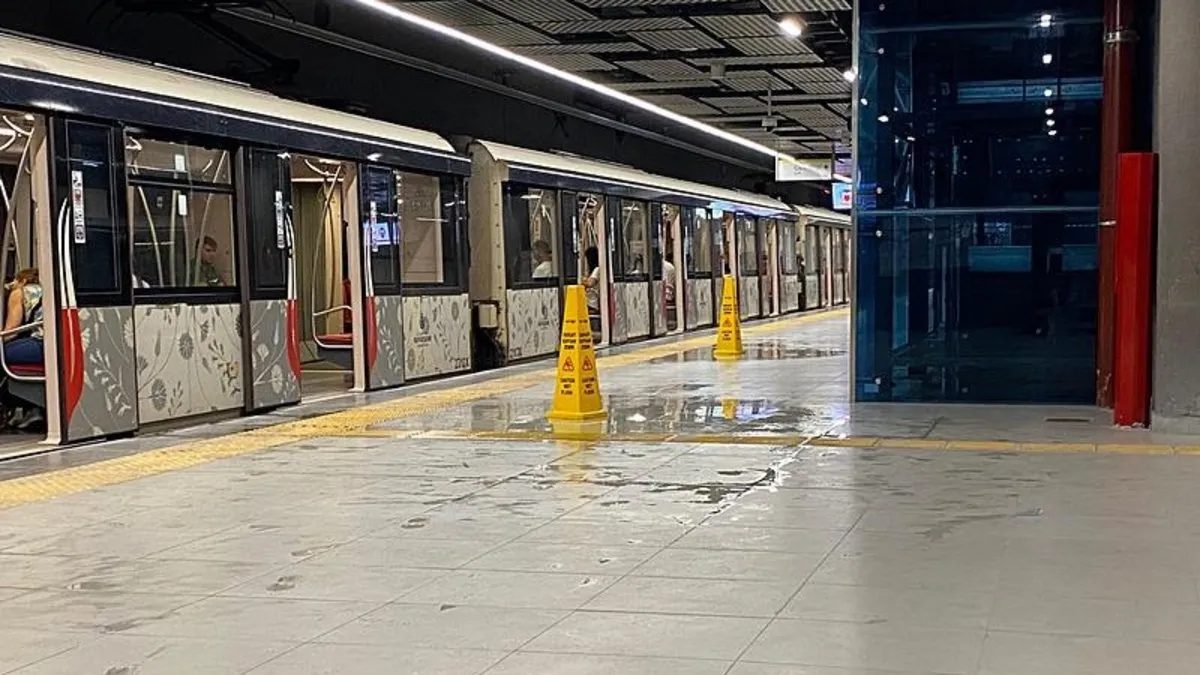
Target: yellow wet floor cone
point(729, 330)
point(576, 388)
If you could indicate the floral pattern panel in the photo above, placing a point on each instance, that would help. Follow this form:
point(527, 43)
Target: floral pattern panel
point(533, 320)
point(273, 381)
point(620, 316)
point(437, 335)
point(658, 302)
point(749, 297)
point(699, 303)
point(189, 360)
point(791, 293)
point(388, 370)
point(108, 402)
point(635, 297)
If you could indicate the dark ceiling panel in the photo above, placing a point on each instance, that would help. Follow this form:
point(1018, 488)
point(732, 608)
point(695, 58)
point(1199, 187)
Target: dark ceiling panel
point(721, 60)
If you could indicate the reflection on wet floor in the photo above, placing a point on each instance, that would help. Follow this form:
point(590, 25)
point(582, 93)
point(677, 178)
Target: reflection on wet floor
point(689, 392)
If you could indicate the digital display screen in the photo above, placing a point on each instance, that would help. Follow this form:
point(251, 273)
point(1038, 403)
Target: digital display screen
point(843, 196)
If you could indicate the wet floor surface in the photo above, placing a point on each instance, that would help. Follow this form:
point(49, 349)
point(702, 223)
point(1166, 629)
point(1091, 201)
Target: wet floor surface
point(361, 554)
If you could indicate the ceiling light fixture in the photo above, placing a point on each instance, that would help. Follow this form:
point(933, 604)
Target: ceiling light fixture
point(1048, 92)
point(791, 26)
point(1047, 58)
point(1049, 111)
point(533, 64)
point(1046, 20)
point(1053, 132)
point(849, 75)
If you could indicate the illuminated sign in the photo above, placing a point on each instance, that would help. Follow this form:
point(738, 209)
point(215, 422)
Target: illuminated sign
point(843, 196)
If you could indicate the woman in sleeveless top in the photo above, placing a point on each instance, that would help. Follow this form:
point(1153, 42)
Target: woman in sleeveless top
point(24, 307)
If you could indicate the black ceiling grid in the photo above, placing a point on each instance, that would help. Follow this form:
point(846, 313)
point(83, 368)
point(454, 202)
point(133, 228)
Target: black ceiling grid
point(720, 61)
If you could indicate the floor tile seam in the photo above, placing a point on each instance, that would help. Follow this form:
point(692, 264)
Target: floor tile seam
point(792, 597)
point(47, 658)
point(618, 656)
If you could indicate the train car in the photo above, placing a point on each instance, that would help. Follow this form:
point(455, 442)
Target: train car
point(202, 247)
point(651, 250)
point(825, 244)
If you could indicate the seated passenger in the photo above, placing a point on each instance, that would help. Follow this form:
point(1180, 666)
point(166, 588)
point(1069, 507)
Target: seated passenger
point(24, 347)
point(543, 258)
point(24, 307)
point(208, 275)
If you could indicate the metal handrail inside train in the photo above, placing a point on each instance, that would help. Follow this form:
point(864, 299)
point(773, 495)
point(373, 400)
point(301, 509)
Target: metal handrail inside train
point(328, 185)
point(11, 241)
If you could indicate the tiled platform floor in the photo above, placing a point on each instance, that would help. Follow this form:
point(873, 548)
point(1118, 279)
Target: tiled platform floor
point(366, 554)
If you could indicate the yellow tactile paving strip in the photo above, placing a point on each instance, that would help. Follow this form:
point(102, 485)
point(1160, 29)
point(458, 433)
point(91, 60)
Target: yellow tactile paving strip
point(354, 421)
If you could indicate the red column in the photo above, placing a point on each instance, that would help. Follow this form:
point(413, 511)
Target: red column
point(1117, 137)
point(1133, 271)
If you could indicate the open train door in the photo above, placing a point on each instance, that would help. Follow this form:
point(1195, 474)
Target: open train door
point(91, 378)
point(382, 299)
point(270, 333)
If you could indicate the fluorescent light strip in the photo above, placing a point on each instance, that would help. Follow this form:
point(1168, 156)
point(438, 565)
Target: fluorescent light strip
point(486, 46)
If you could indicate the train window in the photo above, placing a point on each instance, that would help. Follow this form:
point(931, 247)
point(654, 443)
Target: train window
point(697, 243)
point(180, 200)
point(747, 232)
point(98, 237)
point(172, 161)
point(181, 238)
point(380, 228)
point(634, 263)
point(429, 211)
point(531, 227)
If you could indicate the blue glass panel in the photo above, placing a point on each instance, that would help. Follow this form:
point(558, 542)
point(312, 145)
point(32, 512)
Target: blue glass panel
point(976, 193)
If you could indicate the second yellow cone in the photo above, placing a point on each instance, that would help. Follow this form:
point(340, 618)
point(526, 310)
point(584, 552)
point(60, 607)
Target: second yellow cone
point(729, 329)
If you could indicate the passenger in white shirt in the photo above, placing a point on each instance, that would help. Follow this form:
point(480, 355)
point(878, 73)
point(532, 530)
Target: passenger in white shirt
point(668, 278)
point(543, 256)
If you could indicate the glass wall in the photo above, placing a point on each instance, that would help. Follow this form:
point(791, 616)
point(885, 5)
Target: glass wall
point(976, 200)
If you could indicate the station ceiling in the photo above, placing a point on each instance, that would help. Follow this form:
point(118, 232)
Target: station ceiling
point(726, 62)
point(723, 62)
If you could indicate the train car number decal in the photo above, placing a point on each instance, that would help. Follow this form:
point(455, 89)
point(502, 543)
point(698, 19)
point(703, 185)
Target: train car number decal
point(280, 230)
point(78, 220)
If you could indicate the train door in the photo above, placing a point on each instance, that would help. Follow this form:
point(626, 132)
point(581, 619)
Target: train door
point(95, 393)
point(380, 244)
point(632, 268)
point(591, 266)
point(571, 256)
point(827, 267)
point(320, 201)
point(270, 335)
point(748, 262)
point(770, 266)
point(25, 204)
point(668, 279)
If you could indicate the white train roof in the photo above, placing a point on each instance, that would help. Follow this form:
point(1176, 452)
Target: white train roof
point(616, 173)
point(158, 81)
point(824, 215)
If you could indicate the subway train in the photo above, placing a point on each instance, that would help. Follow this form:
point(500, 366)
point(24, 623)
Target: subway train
point(201, 247)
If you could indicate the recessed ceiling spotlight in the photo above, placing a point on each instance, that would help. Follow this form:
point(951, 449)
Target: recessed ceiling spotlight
point(1046, 20)
point(791, 26)
point(849, 75)
point(1047, 58)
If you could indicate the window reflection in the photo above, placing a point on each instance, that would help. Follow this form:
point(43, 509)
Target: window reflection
point(180, 200)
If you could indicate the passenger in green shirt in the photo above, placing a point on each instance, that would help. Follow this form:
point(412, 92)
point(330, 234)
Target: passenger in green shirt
point(209, 275)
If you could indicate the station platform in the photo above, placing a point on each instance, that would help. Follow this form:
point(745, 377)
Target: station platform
point(733, 518)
